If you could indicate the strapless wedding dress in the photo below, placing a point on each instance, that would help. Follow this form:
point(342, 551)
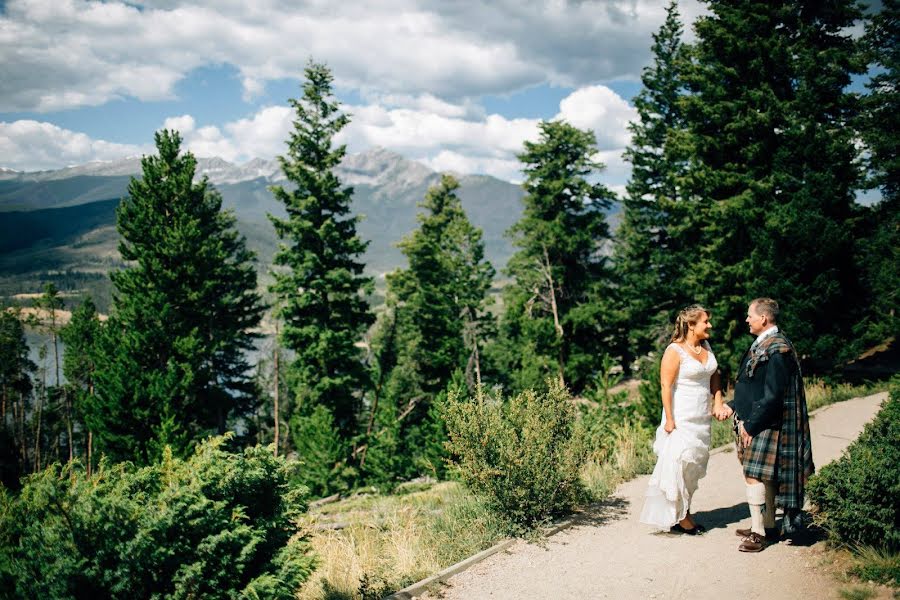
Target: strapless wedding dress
point(682, 455)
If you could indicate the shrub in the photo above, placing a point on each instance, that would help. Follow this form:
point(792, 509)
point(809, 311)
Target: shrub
point(858, 496)
point(630, 453)
point(605, 412)
point(522, 455)
point(218, 525)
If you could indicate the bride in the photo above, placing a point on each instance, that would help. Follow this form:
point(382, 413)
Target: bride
point(689, 377)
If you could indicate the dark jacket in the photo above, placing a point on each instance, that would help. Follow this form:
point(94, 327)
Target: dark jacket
point(760, 389)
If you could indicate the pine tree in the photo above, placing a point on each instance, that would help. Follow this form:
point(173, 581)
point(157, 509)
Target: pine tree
point(554, 311)
point(879, 256)
point(319, 279)
point(60, 408)
point(774, 178)
point(649, 238)
point(16, 369)
point(171, 365)
point(81, 336)
point(434, 325)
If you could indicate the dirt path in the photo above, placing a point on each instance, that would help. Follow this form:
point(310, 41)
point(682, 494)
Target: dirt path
point(611, 555)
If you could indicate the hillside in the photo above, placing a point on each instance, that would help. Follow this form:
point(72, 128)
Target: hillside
point(60, 225)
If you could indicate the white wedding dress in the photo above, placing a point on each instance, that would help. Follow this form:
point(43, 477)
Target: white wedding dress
point(682, 455)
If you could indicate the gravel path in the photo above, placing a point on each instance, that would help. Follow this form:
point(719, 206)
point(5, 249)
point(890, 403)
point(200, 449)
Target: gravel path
point(609, 554)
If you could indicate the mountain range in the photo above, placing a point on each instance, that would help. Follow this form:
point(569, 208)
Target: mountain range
point(63, 221)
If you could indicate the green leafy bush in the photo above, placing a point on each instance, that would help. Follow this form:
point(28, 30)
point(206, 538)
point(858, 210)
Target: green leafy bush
point(858, 496)
point(218, 525)
point(523, 455)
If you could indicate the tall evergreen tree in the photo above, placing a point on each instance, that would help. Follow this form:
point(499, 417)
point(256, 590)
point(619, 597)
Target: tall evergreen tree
point(434, 325)
point(81, 336)
point(554, 321)
point(59, 408)
point(773, 184)
point(171, 365)
point(16, 369)
point(650, 240)
point(879, 256)
point(320, 282)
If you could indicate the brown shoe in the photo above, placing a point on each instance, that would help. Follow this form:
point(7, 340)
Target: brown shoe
point(771, 534)
point(753, 543)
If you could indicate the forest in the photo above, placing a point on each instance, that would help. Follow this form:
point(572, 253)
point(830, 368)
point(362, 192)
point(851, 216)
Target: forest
point(748, 156)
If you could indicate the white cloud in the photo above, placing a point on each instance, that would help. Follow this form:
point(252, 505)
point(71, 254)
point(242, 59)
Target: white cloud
point(600, 109)
point(445, 161)
point(68, 53)
point(183, 124)
point(444, 136)
point(27, 145)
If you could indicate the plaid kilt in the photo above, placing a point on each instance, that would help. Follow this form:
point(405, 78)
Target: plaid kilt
point(760, 459)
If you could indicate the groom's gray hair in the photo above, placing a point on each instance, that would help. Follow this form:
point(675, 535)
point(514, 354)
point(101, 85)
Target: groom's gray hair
point(767, 307)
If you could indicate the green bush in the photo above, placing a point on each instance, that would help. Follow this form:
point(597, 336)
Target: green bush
point(218, 525)
point(858, 496)
point(522, 455)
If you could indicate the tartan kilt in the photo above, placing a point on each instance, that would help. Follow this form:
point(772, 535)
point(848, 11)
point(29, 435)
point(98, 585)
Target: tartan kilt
point(760, 459)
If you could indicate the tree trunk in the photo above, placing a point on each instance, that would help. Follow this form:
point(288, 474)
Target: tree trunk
point(556, 324)
point(90, 440)
point(90, 448)
point(68, 402)
point(37, 432)
point(277, 393)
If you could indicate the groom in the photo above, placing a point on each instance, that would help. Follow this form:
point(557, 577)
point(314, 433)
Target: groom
point(771, 426)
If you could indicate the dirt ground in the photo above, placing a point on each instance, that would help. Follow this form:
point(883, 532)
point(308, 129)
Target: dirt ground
point(607, 553)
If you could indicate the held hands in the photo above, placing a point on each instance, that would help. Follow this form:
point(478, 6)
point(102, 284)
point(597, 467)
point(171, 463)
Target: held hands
point(722, 411)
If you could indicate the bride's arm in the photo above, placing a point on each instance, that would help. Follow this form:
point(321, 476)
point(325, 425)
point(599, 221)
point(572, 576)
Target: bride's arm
point(668, 371)
point(721, 411)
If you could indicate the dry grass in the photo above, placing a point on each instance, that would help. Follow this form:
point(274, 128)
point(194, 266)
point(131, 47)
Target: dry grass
point(631, 455)
point(388, 542)
point(819, 393)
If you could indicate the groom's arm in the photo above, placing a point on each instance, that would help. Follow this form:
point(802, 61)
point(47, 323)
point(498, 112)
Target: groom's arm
point(769, 407)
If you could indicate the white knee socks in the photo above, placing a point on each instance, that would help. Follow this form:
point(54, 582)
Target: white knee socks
point(769, 515)
point(756, 498)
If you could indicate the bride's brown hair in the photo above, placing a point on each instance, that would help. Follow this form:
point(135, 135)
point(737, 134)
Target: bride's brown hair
point(686, 317)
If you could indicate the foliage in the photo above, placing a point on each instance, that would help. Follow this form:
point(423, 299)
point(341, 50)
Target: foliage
point(879, 248)
point(858, 496)
point(649, 404)
point(318, 276)
point(217, 525)
point(628, 452)
point(877, 564)
point(171, 365)
point(651, 242)
point(80, 337)
point(554, 309)
point(322, 452)
point(604, 411)
point(523, 455)
point(15, 394)
point(773, 170)
point(434, 325)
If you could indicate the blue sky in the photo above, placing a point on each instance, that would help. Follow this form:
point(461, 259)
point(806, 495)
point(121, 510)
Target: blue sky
point(457, 85)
